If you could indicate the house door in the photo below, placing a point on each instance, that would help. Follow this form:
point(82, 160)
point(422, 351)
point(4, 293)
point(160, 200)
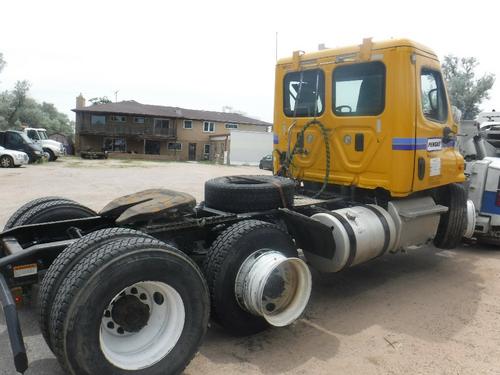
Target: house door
point(192, 151)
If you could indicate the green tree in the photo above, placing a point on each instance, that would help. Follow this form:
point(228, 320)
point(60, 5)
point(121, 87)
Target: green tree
point(18, 98)
point(466, 91)
point(100, 100)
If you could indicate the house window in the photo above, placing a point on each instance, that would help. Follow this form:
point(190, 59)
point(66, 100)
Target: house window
point(359, 89)
point(115, 144)
point(208, 127)
point(231, 126)
point(98, 120)
point(433, 96)
point(161, 126)
point(206, 149)
point(188, 124)
point(174, 146)
point(118, 118)
point(139, 120)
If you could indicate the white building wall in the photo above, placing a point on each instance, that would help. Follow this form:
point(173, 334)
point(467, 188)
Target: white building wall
point(249, 147)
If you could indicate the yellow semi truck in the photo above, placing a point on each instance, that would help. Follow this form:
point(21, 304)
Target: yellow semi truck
point(364, 165)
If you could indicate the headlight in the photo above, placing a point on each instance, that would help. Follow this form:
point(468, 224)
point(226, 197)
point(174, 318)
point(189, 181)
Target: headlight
point(19, 156)
point(38, 153)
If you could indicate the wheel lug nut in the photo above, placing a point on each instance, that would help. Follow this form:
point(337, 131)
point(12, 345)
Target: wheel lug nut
point(120, 330)
point(111, 325)
point(107, 314)
point(143, 296)
point(133, 290)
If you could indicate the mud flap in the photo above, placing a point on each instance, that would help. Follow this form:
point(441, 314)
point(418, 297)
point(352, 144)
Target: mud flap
point(310, 235)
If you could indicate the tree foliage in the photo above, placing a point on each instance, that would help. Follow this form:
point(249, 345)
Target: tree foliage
point(100, 100)
point(17, 109)
point(466, 91)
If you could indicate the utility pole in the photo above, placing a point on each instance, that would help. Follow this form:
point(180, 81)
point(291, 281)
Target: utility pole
point(116, 96)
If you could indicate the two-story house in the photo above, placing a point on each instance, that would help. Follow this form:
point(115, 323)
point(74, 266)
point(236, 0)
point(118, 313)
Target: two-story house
point(171, 133)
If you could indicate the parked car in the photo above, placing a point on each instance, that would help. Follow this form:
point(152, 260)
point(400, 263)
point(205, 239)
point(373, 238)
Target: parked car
point(11, 158)
point(266, 162)
point(16, 140)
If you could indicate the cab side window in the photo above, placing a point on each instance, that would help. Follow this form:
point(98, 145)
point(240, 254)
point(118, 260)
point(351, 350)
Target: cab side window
point(433, 96)
point(32, 134)
point(359, 89)
point(304, 93)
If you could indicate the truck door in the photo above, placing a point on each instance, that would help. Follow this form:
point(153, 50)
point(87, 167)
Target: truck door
point(433, 159)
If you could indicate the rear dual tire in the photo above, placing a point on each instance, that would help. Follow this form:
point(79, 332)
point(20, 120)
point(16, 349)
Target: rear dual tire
point(87, 297)
point(47, 209)
point(224, 263)
point(64, 264)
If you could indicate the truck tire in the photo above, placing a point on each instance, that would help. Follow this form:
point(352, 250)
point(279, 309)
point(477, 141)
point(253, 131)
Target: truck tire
point(14, 220)
point(54, 211)
point(223, 261)
point(452, 223)
point(249, 193)
point(52, 156)
point(66, 261)
point(163, 288)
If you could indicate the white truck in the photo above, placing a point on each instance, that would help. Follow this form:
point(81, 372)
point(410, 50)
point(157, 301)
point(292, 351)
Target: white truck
point(53, 148)
point(483, 170)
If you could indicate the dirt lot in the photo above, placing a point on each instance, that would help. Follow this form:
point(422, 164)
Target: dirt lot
point(425, 312)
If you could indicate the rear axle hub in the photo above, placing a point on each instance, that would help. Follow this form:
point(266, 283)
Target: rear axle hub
point(130, 313)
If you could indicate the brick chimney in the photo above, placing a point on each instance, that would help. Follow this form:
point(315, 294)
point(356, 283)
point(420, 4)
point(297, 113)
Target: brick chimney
point(80, 101)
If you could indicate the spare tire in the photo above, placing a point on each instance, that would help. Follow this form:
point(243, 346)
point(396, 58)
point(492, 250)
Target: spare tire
point(249, 193)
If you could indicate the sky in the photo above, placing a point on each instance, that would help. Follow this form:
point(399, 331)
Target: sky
point(211, 54)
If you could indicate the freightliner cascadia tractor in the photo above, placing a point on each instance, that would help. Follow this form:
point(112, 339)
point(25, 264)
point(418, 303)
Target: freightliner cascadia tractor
point(365, 165)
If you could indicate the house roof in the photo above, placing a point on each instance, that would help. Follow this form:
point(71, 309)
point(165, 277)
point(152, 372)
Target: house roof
point(131, 107)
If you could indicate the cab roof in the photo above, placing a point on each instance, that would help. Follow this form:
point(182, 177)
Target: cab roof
point(386, 44)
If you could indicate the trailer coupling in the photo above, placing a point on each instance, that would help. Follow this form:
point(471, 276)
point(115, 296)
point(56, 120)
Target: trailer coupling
point(13, 327)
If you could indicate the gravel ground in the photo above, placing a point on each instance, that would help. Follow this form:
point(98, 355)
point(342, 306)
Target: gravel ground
point(424, 312)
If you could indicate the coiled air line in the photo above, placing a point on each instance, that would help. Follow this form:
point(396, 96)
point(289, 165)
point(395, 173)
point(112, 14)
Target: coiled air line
point(285, 167)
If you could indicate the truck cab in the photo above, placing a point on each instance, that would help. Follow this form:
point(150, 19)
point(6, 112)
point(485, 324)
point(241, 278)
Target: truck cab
point(385, 118)
point(39, 135)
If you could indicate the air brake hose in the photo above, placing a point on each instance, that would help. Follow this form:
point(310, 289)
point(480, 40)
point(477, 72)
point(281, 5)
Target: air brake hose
point(300, 138)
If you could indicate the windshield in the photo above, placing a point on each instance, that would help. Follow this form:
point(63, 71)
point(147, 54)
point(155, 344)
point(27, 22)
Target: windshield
point(42, 134)
point(25, 137)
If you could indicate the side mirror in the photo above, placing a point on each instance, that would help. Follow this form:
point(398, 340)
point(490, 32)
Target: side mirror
point(433, 99)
